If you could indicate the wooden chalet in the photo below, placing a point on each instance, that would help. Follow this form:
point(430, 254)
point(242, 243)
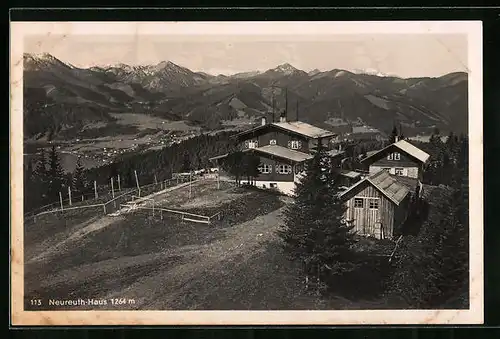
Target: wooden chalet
point(379, 204)
point(400, 158)
point(283, 148)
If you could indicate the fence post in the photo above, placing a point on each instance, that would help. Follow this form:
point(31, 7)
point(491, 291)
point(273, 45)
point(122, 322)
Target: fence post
point(119, 185)
point(60, 199)
point(69, 195)
point(95, 189)
point(190, 185)
point(156, 181)
point(137, 182)
point(112, 188)
point(104, 207)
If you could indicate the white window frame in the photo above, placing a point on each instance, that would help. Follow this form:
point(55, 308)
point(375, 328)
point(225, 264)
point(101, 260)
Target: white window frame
point(283, 169)
point(397, 156)
point(295, 144)
point(357, 200)
point(272, 142)
point(399, 169)
point(373, 200)
point(265, 168)
point(390, 156)
point(253, 143)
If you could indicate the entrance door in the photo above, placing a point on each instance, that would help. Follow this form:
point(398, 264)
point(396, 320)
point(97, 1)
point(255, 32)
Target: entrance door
point(373, 218)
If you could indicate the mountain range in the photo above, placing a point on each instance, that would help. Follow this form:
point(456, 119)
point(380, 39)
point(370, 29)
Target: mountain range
point(58, 95)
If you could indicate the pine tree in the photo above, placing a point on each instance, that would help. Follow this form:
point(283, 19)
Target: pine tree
point(55, 175)
point(233, 164)
point(79, 183)
point(40, 170)
point(250, 167)
point(314, 232)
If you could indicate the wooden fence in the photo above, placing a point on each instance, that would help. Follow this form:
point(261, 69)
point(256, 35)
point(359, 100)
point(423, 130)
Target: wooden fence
point(107, 205)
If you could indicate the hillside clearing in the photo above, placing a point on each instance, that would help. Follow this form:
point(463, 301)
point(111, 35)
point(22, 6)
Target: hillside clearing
point(235, 263)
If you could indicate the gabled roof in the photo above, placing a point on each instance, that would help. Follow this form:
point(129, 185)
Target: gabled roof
point(388, 185)
point(335, 152)
point(406, 147)
point(350, 174)
point(222, 156)
point(282, 152)
point(297, 127)
point(305, 129)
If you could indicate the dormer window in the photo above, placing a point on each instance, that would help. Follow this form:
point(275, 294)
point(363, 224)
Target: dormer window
point(295, 144)
point(394, 156)
point(272, 142)
point(251, 144)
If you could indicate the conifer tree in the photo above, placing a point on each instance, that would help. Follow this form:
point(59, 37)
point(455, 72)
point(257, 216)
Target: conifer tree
point(314, 231)
point(40, 170)
point(55, 175)
point(79, 182)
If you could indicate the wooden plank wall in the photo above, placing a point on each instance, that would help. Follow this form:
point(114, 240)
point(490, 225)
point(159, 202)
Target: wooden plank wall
point(366, 219)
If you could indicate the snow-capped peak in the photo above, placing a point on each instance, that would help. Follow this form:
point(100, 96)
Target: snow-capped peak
point(314, 72)
point(286, 68)
point(371, 71)
point(41, 60)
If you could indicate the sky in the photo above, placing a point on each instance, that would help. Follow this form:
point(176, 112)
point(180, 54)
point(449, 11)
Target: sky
point(403, 55)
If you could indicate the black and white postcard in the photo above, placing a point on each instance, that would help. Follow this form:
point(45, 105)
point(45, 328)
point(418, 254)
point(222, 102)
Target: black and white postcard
point(247, 173)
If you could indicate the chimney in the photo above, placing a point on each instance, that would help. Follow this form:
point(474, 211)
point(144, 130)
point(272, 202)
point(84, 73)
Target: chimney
point(396, 138)
point(264, 121)
point(283, 117)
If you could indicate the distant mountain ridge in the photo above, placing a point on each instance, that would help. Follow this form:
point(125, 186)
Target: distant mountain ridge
point(176, 92)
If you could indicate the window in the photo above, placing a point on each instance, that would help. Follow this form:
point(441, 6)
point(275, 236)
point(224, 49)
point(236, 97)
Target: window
point(373, 203)
point(394, 156)
point(272, 142)
point(358, 202)
point(253, 143)
point(283, 169)
point(273, 185)
point(399, 171)
point(294, 144)
point(265, 168)
point(388, 169)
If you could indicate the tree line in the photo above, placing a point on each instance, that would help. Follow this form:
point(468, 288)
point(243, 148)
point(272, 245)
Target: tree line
point(432, 267)
point(44, 178)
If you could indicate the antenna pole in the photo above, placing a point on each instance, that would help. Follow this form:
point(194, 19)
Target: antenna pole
point(297, 110)
point(272, 89)
point(286, 101)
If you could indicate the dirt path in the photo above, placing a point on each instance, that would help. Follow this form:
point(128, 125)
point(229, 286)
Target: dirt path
point(163, 290)
point(183, 277)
